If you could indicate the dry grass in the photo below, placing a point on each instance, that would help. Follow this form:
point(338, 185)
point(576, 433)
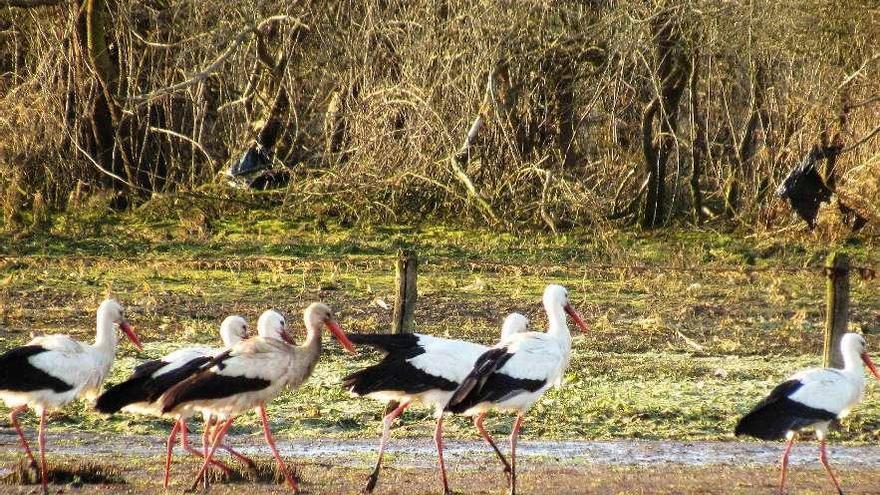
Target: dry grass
point(381, 95)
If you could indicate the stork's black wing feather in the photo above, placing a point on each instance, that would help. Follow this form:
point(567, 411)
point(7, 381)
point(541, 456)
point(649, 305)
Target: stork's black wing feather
point(486, 364)
point(497, 387)
point(204, 384)
point(396, 375)
point(160, 384)
point(777, 414)
point(17, 374)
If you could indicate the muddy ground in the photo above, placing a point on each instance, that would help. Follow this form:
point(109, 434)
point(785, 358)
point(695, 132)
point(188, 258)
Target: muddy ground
point(132, 464)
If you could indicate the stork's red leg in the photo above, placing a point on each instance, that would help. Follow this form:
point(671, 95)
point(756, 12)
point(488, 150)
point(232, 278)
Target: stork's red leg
point(387, 421)
point(478, 422)
point(217, 439)
point(169, 446)
point(238, 455)
point(206, 435)
point(267, 432)
point(438, 440)
point(514, 435)
point(784, 463)
point(41, 440)
point(206, 443)
point(13, 417)
point(823, 457)
point(184, 443)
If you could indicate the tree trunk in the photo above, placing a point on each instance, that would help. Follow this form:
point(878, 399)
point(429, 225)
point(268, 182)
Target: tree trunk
point(699, 143)
point(672, 72)
point(748, 144)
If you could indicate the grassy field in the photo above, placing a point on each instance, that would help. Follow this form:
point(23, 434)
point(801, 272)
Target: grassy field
point(670, 353)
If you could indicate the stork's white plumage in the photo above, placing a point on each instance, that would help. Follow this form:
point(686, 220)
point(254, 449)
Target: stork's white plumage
point(51, 371)
point(251, 373)
point(141, 392)
point(515, 373)
point(811, 399)
point(423, 369)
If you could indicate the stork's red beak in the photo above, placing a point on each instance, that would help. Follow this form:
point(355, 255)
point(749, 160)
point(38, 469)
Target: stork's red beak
point(870, 365)
point(340, 336)
point(576, 317)
point(129, 332)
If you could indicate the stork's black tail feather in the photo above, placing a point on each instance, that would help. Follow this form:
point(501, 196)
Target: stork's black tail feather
point(777, 414)
point(131, 391)
point(398, 344)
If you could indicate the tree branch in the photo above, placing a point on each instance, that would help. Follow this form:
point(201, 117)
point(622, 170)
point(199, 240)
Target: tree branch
point(29, 4)
point(861, 141)
point(200, 76)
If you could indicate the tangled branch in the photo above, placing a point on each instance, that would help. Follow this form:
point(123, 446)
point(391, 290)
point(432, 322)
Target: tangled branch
point(200, 76)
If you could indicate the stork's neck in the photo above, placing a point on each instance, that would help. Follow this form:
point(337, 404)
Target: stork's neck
point(105, 337)
point(557, 325)
point(104, 348)
point(311, 347)
point(852, 363)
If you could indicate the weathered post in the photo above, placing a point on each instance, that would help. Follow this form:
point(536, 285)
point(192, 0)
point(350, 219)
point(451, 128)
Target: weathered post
point(836, 306)
point(405, 299)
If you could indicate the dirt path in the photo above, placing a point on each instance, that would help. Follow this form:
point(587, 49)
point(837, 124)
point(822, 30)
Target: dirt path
point(606, 467)
point(421, 452)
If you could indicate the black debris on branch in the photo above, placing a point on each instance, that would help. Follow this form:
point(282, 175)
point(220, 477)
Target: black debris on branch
point(851, 217)
point(255, 159)
point(804, 188)
point(255, 170)
point(270, 179)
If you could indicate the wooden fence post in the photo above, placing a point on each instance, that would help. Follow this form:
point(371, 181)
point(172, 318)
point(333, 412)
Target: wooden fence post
point(836, 306)
point(405, 275)
point(405, 299)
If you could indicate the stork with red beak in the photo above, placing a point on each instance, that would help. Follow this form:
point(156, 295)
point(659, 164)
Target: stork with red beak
point(811, 398)
point(140, 393)
point(52, 371)
point(250, 374)
point(515, 373)
point(423, 369)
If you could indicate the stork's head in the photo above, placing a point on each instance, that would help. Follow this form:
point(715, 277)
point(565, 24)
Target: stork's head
point(853, 344)
point(556, 296)
point(318, 315)
point(233, 330)
point(112, 310)
point(272, 325)
point(514, 323)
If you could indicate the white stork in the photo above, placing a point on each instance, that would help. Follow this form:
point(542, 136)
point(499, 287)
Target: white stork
point(811, 398)
point(515, 373)
point(251, 373)
point(139, 394)
point(52, 371)
point(424, 369)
